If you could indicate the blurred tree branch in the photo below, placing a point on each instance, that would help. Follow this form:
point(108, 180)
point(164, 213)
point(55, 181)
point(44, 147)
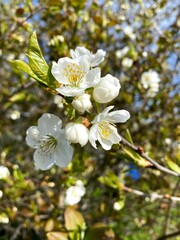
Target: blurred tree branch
point(152, 196)
point(149, 159)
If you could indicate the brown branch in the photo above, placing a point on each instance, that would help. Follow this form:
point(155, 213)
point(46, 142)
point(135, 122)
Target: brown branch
point(145, 156)
point(152, 196)
point(18, 24)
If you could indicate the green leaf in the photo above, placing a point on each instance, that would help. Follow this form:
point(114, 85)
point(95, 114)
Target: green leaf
point(34, 51)
point(128, 136)
point(39, 70)
point(172, 165)
point(18, 97)
point(38, 64)
point(135, 157)
point(110, 179)
point(24, 67)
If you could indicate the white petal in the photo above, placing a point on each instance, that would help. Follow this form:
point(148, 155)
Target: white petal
point(70, 91)
point(98, 57)
point(32, 136)
point(119, 116)
point(92, 78)
point(105, 143)
point(101, 116)
point(63, 153)
point(49, 124)
point(93, 135)
point(42, 161)
point(114, 137)
point(57, 73)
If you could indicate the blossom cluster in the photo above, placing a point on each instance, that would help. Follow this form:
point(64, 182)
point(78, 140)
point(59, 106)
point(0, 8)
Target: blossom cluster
point(79, 80)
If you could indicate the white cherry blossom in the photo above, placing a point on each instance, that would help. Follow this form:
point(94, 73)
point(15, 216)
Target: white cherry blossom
point(74, 75)
point(82, 103)
point(150, 81)
point(104, 129)
point(122, 52)
point(77, 133)
point(107, 89)
point(50, 143)
point(127, 62)
point(93, 59)
point(4, 172)
point(75, 193)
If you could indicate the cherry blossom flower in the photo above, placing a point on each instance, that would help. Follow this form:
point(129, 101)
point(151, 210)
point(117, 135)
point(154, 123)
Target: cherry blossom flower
point(75, 193)
point(107, 89)
point(82, 103)
point(104, 129)
point(127, 62)
point(50, 143)
point(93, 59)
point(4, 172)
point(122, 52)
point(150, 80)
point(77, 133)
point(74, 75)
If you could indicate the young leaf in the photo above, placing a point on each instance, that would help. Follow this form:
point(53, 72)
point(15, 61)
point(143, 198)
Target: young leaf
point(39, 70)
point(172, 165)
point(34, 51)
point(135, 157)
point(128, 136)
point(24, 67)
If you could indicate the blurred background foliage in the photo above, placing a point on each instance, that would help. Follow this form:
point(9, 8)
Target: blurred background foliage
point(31, 205)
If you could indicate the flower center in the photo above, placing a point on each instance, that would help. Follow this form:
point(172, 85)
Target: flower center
point(47, 144)
point(74, 73)
point(105, 129)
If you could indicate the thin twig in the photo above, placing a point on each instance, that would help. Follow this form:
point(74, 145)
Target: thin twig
point(152, 196)
point(15, 26)
point(169, 235)
point(167, 217)
point(145, 156)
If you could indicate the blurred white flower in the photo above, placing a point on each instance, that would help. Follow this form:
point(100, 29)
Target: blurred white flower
point(77, 133)
point(128, 30)
point(104, 129)
point(150, 80)
point(4, 172)
point(82, 103)
point(93, 59)
point(127, 62)
point(117, 206)
point(75, 193)
point(1, 194)
point(74, 75)
point(168, 141)
point(58, 100)
point(14, 114)
point(4, 218)
point(107, 89)
point(122, 52)
point(50, 143)
point(145, 54)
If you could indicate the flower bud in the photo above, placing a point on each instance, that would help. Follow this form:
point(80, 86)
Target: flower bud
point(82, 103)
point(107, 89)
point(77, 133)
